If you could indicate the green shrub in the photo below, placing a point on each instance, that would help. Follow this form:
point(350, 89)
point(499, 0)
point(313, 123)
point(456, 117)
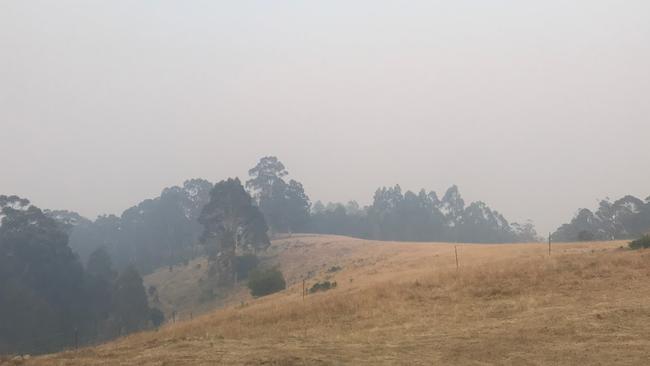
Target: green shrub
point(642, 242)
point(265, 282)
point(322, 286)
point(334, 269)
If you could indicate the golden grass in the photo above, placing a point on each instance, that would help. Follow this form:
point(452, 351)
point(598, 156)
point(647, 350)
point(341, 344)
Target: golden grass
point(407, 304)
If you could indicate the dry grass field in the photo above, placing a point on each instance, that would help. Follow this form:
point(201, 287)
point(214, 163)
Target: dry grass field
point(406, 304)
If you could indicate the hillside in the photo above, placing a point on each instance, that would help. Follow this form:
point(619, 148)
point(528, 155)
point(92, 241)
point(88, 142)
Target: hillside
point(405, 303)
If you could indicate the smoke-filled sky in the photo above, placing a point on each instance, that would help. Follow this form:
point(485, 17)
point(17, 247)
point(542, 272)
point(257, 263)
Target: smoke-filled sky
point(535, 107)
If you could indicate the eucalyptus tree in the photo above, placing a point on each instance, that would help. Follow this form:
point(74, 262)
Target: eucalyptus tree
point(232, 225)
point(285, 205)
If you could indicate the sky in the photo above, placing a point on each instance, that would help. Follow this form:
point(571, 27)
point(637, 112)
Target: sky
point(537, 108)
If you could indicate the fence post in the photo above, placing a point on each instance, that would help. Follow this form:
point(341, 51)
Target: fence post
point(456, 252)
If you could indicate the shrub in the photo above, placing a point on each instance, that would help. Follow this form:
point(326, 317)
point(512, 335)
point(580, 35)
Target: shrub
point(642, 242)
point(334, 269)
point(265, 282)
point(322, 286)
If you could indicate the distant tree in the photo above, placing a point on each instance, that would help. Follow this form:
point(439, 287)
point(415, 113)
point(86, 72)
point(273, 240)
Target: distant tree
point(130, 307)
point(353, 208)
point(285, 206)
point(231, 222)
point(67, 219)
point(41, 281)
point(525, 232)
point(157, 232)
point(100, 279)
point(298, 206)
point(585, 235)
point(480, 224)
point(268, 171)
point(625, 218)
point(318, 207)
point(99, 264)
point(421, 216)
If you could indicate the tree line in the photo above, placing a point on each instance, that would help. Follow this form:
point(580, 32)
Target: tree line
point(625, 218)
point(166, 230)
point(48, 299)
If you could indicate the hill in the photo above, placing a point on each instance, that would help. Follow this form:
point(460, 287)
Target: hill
point(399, 303)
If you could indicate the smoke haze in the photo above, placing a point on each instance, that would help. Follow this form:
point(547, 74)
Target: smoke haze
point(535, 107)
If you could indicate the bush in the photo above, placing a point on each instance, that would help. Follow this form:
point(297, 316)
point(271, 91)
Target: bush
point(642, 242)
point(322, 286)
point(334, 269)
point(265, 282)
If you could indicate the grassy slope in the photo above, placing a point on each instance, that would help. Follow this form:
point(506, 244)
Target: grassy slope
point(403, 303)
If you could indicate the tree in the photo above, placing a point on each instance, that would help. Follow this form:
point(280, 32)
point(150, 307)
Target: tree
point(99, 287)
point(297, 206)
point(421, 216)
point(625, 218)
point(156, 232)
point(130, 307)
point(41, 281)
point(100, 265)
point(231, 222)
point(264, 175)
point(481, 224)
point(525, 232)
point(47, 299)
point(285, 206)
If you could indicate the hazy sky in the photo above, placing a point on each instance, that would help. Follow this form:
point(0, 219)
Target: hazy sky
point(535, 107)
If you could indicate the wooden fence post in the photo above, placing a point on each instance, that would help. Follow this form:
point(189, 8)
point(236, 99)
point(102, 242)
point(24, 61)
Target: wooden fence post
point(456, 252)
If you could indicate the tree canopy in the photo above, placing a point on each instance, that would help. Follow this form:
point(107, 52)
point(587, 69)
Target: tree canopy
point(285, 205)
point(231, 224)
point(156, 232)
point(421, 216)
point(625, 218)
point(47, 299)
